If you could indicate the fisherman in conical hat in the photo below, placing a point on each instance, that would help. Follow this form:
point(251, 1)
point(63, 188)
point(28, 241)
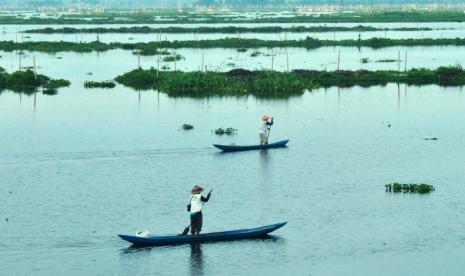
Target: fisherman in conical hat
point(195, 208)
point(263, 132)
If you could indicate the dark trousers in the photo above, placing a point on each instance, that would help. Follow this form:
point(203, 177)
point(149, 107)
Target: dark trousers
point(196, 222)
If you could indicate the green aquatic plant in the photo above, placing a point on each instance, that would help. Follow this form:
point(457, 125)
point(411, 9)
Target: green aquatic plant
point(256, 53)
point(242, 45)
point(364, 60)
point(386, 60)
point(173, 58)
point(409, 188)
point(266, 83)
point(237, 82)
point(225, 131)
point(187, 126)
point(28, 82)
point(99, 84)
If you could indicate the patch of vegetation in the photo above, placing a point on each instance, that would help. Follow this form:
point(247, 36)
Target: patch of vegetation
point(256, 53)
point(364, 60)
point(386, 60)
point(28, 82)
point(409, 188)
point(226, 131)
point(237, 82)
point(265, 83)
point(242, 45)
point(99, 84)
point(187, 126)
point(173, 58)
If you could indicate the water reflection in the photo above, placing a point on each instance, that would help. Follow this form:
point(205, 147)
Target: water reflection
point(136, 248)
point(196, 260)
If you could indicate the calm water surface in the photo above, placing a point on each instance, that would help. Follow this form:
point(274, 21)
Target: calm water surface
point(439, 30)
point(82, 166)
point(68, 64)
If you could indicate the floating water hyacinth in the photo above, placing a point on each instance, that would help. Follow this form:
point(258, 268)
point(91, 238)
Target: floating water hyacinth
point(99, 84)
point(227, 131)
point(187, 126)
point(409, 188)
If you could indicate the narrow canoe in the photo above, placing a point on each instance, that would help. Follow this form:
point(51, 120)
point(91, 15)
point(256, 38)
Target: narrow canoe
point(208, 237)
point(278, 144)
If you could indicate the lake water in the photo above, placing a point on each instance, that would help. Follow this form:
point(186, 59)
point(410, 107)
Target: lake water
point(80, 167)
point(68, 64)
point(440, 30)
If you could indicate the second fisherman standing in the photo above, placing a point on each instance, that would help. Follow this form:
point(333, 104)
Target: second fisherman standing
point(195, 208)
point(263, 132)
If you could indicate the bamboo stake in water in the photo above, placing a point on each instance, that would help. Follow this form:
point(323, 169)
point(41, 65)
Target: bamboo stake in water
point(81, 37)
point(34, 66)
point(203, 59)
point(19, 60)
point(398, 63)
point(158, 64)
point(338, 59)
point(138, 59)
point(272, 60)
point(405, 61)
point(175, 55)
point(287, 60)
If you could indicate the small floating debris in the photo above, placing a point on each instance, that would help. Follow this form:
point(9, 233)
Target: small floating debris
point(89, 73)
point(364, 60)
point(256, 53)
point(227, 131)
point(409, 188)
point(242, 50)
point(187, 126)
point(431, 139)
point(6, 219)
point(386, 60)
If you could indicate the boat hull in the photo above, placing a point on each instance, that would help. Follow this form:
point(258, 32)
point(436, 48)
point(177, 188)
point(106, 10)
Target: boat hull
point(208, 237)
point(229, 148)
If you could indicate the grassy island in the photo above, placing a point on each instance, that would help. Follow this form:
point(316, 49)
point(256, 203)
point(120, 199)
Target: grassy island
point(240, 82)
point(28, 82)
point(156, 47)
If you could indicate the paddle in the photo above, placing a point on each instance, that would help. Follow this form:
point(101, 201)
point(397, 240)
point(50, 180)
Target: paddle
point(186, 230)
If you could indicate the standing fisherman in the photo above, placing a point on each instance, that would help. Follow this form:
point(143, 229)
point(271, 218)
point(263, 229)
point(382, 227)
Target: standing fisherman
point(195, 209)
point(263, 132)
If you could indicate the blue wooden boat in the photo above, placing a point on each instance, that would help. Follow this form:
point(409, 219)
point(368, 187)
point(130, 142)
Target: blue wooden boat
point(208, 237)
point(228, 148)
